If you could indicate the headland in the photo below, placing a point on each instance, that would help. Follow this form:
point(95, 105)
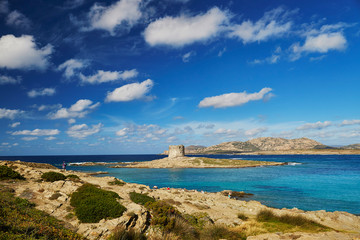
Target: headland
point(193, 211)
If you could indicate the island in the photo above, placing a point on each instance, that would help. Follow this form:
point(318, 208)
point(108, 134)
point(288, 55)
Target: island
point(177, 159)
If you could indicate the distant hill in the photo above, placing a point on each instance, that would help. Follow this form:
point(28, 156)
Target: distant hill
point(262, 144)
point(352, 146)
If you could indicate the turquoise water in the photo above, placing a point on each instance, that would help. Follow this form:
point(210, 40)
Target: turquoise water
point(330, 183)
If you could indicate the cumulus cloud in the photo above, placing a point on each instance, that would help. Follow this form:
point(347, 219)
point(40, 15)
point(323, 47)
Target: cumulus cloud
point(14, 125)
point(83, 130)
point(78, 110)
point(4, 79)
point(142, 133)
point(235, 99)
point(183, 30)
point(50, 138)
point(17, 19)
point(273, 24)
point(130, 92)
point(123, 12)
point(318, 125)
point(41, 92)
point(37, 132)
point(45, 107)
point(108, 76)
point(23, 53)
point(72, 66)
point(350, 122)
point(327, 38)
point(10, 113)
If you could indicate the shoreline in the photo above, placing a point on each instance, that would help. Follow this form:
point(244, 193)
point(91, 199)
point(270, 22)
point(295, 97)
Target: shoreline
point(218, 207)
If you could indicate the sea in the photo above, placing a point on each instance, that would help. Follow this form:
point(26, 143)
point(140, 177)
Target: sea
point(308, 182)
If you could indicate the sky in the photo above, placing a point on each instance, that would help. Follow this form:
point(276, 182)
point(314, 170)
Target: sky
point(134, 76)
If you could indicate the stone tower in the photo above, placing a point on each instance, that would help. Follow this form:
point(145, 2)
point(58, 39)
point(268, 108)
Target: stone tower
point(176, 151)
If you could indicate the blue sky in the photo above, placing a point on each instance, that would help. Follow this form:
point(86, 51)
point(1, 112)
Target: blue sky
point(134, 76)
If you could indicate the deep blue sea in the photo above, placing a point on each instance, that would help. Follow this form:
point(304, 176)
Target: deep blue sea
point(330, 182)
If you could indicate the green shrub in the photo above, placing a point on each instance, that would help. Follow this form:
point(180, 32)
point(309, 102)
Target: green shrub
point(53, 176)
point(93, 204)
point(20, 220)
point(117, 182)
point(120, 233)
point(72, 176)
point(140, 198)
point(162, 214)
point(8, 173)
point(55, 196)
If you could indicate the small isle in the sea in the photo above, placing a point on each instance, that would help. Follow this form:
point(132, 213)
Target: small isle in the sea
point(177, 159)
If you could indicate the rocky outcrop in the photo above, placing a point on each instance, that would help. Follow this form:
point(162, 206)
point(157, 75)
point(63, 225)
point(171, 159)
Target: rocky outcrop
point(352, 146)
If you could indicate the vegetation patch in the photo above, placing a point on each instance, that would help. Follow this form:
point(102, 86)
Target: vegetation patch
point(8, 173)
point(93, 204)
point(20, 220)
point(53, 176)
point(120, 233)
point(288, 223)
point(55, 196)
point(117, 182)
point(140, 198)
point(242, 216)
point(215, 232)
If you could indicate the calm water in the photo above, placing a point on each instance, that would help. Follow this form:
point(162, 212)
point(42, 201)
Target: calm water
point(329, 182)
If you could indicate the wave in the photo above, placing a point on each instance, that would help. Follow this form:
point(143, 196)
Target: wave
point(293, 163)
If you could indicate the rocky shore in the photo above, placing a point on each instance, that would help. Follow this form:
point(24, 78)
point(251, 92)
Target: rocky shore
point(218, 208)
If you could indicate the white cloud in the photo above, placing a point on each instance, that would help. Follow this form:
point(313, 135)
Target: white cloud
point(327, 38)
point(234, 99)
point(123, 12)
point(17, 19)
point(322, 43)
point(141, 133)
point(83, 130)
point(206, 126)
point(130, 92)
point(15, 144)
point(273, 24)
point(9, 80)
point(183, 30)
point(318, 125)
point(41, 92)
point(78, 110)
point(10, 113)
point(37, 132)
point(29, 138)
point(108, 76)
point(350, 122)
point(255, 131)
point(221, 52)
point(72, 66)
point(15, 124)
point(71, 121)
point(22, 53)
point(122, 132)
point(50, 138)
point(186, 57)
point(44, 107)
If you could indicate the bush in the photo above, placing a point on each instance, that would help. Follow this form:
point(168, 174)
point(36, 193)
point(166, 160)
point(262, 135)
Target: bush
point(72, 176)
point(140, 198)
point(55, 196)
point(220, 232)
point(117, 182)
point(121, 233)
point(293, 221)
point(20, 220)
point(53, 176)
point(8, 173)
point(93, 204)
point(162, 214)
